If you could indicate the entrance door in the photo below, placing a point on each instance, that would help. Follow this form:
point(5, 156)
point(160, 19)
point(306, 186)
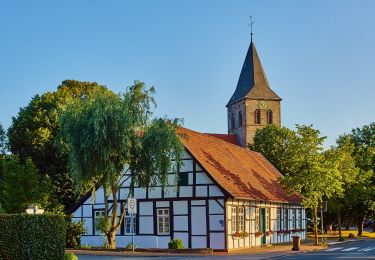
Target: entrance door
point(263, 224)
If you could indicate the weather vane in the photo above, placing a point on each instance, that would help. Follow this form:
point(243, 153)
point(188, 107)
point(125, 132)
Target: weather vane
point(251, 27)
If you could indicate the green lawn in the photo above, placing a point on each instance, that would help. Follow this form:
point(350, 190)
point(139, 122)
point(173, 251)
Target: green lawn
point(345, 234)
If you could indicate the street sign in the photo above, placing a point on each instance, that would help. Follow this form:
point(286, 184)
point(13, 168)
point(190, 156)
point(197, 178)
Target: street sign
point(132, 206)
point(323, 206)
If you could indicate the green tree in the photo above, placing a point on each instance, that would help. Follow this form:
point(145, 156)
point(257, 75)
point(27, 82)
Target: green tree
point(33, 134)
point(22, 185)
point(362, 195)
point(342, 155)
point(305, 170)
point(110, 132)
point(279, 145)
point(2, 140)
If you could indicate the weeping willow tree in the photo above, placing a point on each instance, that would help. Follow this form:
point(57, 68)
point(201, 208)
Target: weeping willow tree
point(109, 132)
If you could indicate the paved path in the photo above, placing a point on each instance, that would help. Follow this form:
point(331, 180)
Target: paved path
point(364, 249)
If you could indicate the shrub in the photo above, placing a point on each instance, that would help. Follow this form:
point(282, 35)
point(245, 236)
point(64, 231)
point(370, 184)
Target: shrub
point(351, 235)
point(74, 231)
point(70, 256)
point(129, 246)
point(32, 236)
point(176, 243)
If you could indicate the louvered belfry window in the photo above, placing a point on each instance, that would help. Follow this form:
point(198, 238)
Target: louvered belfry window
point(257, 116)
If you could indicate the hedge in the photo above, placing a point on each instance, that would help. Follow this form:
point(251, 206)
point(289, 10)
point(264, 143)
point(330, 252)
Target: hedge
point(32, 236)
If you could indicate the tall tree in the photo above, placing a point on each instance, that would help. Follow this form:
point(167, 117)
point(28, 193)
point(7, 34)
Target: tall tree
point(33, 134)
point(342, 155)
point(279, 145)
point(305, 171)
point(22, 185)
point(363, 194)
point(110, 132)
point(2, 140)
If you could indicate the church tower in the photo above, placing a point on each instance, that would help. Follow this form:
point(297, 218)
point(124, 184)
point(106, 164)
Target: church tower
point(253, 104)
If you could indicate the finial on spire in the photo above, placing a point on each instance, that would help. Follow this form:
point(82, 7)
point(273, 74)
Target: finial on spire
point(251, 27)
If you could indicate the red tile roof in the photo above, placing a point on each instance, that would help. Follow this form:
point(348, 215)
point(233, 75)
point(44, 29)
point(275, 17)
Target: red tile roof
point(231, 138)
point(244, 174)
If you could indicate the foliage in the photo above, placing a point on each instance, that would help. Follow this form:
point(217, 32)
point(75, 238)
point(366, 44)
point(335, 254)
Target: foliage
point(22, 185)
point(279, 145)
point(32, 236)
point(130, 246)
point(33, 134)
point(360, 198)
point(2, 140)
point(108, 132)
point(70, 256)
point(74, 231)
point(306, 170)
point(352, 177)
point(176, 243)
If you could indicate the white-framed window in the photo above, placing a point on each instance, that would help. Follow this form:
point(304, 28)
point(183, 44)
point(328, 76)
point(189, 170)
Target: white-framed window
point(286, 220)
point(299, 218)
point(257, 220)
point(130, 224)
point(293, 217)
point(98, 214)
point(234, 219)
point(278, 212)
point(241, 219)
point(163, 221)
point(268, 219)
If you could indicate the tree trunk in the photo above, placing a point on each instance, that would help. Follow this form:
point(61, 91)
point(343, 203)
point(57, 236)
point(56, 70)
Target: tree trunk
point(339, 224)
point(111, 239)
point(360, 225)
point(315, 209)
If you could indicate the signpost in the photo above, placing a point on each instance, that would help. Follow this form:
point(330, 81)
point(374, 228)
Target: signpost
point(132, 211)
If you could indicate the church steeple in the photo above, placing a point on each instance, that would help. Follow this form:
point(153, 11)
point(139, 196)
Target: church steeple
point(253, 104)
point(253, 81)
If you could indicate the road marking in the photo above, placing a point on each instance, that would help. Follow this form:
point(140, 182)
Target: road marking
point(350, 249)
point(367, 249)
point(334, 249)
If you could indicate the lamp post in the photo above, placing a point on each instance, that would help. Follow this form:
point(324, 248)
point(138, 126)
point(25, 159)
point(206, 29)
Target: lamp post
point(33, 210)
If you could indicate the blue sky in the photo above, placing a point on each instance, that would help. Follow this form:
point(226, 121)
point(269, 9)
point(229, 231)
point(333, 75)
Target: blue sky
point(319, 56)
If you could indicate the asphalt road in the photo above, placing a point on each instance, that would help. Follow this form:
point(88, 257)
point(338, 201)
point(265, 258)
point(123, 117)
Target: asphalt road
point(355, 250)
point(352, 250)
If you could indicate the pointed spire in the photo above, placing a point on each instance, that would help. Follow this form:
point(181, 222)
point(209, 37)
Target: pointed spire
point(253, 81)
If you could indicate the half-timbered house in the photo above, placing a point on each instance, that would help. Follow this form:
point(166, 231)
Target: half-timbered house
point(224, 196)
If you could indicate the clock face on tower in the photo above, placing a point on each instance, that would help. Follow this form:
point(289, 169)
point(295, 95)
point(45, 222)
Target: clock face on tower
point(263, 105)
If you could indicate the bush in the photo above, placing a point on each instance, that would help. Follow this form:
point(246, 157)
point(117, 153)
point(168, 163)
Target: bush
point(32, 236)
point(176, 244)
point(130, 246)
point(70, 256)
point(74, 231)
point(351, 235)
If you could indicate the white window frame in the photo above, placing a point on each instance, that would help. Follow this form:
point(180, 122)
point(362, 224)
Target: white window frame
point(241, 219)
point(293, 217)
point(257, 220)
point(268, 218)
point(278, 212)
point(128, 225)
point(234, 219)
point(163, 221)
point(285, 219)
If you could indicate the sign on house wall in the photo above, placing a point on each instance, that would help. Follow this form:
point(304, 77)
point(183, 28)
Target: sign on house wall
point(132, 206)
